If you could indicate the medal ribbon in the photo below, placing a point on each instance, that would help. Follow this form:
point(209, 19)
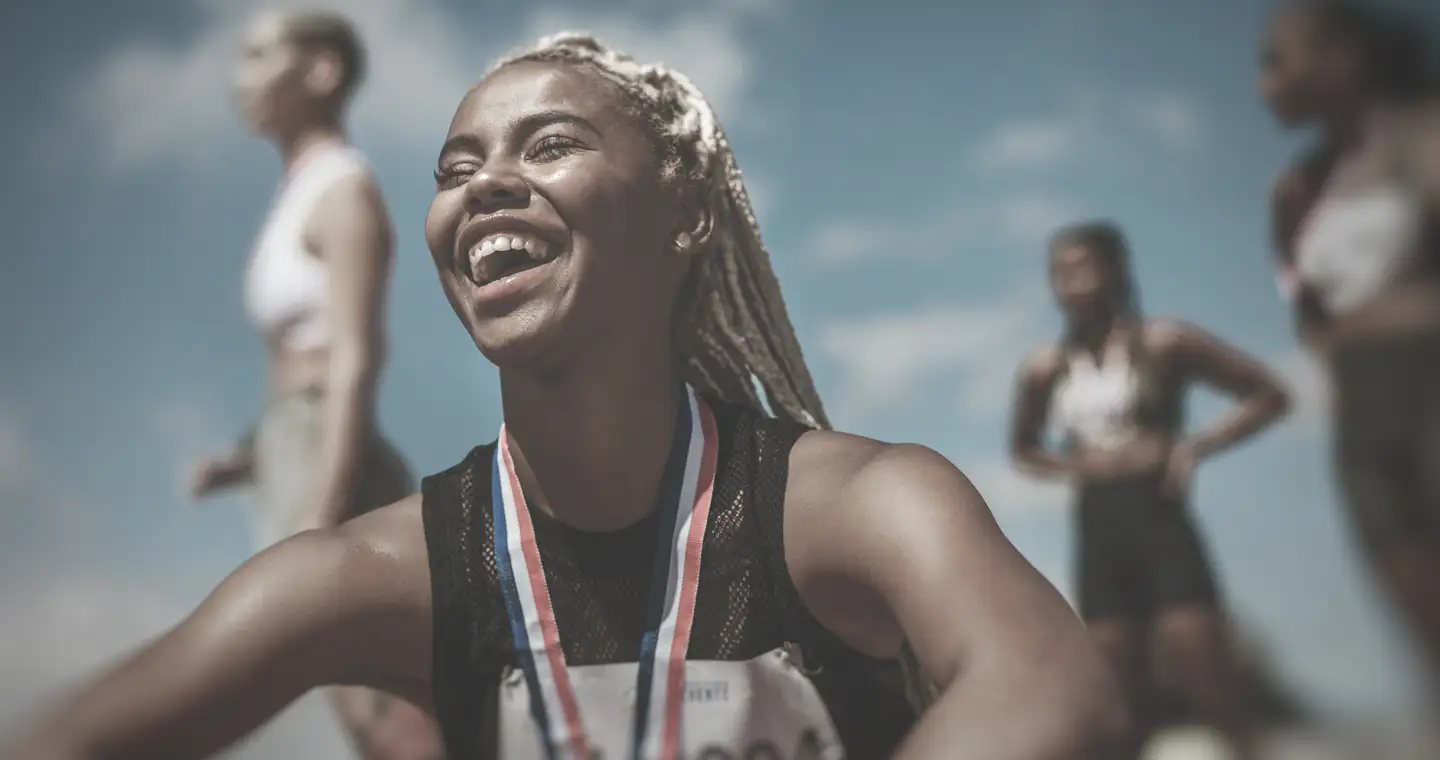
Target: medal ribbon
point(686, 489)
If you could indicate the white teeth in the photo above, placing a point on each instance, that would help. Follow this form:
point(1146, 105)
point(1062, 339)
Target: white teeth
point(535, 248)
point(511, 242)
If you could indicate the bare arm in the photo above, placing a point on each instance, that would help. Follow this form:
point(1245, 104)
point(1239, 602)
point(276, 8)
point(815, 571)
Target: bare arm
point(351, 233)
point(1034, 384)
point(1262, 398)
point(1290, 203)
point(321, 608)
point(1018, 676)
point(1425, 156)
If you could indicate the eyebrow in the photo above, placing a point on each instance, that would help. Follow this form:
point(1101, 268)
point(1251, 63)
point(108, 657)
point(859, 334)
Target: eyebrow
point(531, 123)
point(520, 129)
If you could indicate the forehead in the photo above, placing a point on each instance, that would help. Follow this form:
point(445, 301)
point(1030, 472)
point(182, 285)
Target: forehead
point(1071, 254)
point(524, 89)
point(266, 30)
point(1292, 26)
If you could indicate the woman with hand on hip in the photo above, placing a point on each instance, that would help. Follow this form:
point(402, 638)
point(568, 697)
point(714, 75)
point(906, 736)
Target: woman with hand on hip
point(1115, 385)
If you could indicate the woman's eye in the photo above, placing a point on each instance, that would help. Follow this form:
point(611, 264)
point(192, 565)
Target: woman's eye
point(453, 175)
point(553, 147)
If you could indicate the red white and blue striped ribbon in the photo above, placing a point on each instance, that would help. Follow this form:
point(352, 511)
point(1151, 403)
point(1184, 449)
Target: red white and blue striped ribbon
point(686, 490)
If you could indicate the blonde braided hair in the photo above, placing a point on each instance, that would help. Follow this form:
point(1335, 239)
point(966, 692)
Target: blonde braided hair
point(732, 329)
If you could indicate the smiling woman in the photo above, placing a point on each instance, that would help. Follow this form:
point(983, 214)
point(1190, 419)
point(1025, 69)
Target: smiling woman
point(644, 563)
point(731, 321)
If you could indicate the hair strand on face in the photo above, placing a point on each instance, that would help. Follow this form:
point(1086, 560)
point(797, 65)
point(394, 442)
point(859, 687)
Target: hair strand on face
point(731, 327)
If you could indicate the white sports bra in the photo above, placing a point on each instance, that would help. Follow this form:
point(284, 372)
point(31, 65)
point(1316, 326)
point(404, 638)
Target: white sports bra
point(287, 288)
point(1096, 405)
point(1352, 246)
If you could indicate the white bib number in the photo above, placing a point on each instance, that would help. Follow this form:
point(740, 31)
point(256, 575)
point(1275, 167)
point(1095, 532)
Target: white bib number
point(760, 709)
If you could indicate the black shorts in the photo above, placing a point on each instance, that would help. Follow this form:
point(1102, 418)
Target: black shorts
point(1139, 552)
point(1387, 436)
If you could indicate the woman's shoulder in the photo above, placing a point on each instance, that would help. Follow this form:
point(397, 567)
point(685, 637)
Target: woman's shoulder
point(1162, 336)
point(835, 471)
point(395, 531)
point(1043, 364)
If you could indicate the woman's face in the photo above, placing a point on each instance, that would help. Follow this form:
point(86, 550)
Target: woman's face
point(1299, 75)
point(269, 75)
point(1079, 280)
point(551, 227)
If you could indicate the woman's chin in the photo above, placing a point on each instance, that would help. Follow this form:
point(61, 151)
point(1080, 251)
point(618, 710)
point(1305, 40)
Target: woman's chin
point(514, 341)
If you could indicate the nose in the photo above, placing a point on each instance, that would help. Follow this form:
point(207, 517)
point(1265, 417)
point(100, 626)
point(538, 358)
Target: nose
point(496, 187)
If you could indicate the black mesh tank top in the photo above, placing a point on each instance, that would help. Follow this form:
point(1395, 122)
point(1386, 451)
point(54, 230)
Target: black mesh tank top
point(599, 585)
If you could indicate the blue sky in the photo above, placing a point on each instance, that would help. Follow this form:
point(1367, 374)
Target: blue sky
point(908, 161)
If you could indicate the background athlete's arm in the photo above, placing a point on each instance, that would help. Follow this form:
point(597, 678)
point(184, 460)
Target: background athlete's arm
point(1289, 204)
point(1203, 356)
point(1018, 675)
point(1427, 155)
point(350, 231)
point(316, 609)
point(1034, 384)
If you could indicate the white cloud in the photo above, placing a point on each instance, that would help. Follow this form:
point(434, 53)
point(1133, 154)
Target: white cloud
point(841, 242)
point(59, 629)
point(1028, 144)
point(1093, 122)
point(706, 45)
point(883, 358)
point(62, 631)
point(1017, 220)
point(1171, 118)
point(1030, 219)
point(152, 100)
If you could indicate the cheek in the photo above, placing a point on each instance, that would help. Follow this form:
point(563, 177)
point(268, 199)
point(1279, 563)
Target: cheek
point(624, 225)
point(442, 222)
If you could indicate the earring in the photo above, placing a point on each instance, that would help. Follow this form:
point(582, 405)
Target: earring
point(682, 241)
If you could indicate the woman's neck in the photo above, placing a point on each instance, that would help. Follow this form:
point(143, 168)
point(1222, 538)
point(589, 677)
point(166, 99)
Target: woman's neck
point(294, 147)
point(1094, 334)
point(1353, 122)
point(590, 442)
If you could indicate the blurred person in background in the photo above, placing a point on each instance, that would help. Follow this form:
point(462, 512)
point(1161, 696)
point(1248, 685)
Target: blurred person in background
point(592, 231)
point(315, 291)
point(1357, 237)
point(1115, 385)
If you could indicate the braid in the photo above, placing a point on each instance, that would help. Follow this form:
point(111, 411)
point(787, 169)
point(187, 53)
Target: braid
point(731, 328)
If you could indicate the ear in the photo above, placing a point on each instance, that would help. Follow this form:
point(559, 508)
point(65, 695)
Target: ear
point(694, 224)
point(324, 74)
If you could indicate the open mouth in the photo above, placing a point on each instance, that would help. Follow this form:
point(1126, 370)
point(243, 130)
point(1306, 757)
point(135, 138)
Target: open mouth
point(504, 254)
